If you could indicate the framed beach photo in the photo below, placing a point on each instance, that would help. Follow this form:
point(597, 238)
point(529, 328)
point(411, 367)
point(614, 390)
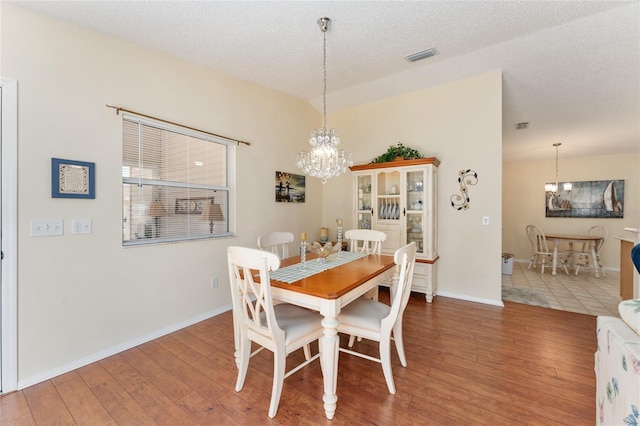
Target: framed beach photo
point(72, 179)
point(290, 188)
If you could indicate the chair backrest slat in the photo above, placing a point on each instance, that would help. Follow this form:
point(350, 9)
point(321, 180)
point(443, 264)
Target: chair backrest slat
point(405, 259)
point(276, 242)
point(538, 239)
point(365, 240)
point(599, 231)
point(252, 302)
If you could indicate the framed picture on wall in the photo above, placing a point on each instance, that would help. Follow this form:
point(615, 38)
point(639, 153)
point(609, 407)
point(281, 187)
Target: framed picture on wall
point(290, 188)
point(191, 205)
point(72, 179)
point(588, 199)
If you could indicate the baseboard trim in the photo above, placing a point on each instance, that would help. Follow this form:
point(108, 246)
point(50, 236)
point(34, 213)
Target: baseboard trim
point(470, 299)
point(30, 381)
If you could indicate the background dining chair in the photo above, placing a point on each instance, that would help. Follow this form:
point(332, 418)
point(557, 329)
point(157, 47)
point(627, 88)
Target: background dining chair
point(281, 329)
point(540, 249)
point(377, 321)
point(583, 258)
point(365, 240)
point(276, 242)
point(531, 235)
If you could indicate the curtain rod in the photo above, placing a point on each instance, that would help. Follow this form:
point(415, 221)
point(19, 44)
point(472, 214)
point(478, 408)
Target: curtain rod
point(237, 141)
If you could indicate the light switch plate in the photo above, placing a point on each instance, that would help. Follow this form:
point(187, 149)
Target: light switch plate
point(47, 227)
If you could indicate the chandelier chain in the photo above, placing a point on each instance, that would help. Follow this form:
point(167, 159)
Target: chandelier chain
point(557, 145)
point(324, 79)
point(325, 160)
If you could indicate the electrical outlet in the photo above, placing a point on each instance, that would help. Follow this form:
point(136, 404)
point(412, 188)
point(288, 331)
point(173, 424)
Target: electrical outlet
point(485, 220)
point(81, 226)
point(214, 282)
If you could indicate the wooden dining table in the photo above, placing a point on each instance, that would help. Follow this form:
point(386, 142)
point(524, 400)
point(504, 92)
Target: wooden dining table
point(328, 292)
point(592, 240)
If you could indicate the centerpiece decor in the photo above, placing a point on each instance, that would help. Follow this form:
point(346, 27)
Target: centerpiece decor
point(323, 251)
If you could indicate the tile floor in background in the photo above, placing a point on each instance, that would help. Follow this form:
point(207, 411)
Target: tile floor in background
point(584, 293)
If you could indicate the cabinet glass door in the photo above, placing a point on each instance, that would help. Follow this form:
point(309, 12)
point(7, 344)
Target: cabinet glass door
point(364, 206)
point(388, 207)
point(415, 208)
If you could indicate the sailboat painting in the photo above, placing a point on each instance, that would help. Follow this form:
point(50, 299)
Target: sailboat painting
point(588, 199)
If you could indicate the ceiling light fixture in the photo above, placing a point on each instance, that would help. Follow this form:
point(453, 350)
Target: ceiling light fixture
point(325, 160)
point(553, 187)
point(421, 55)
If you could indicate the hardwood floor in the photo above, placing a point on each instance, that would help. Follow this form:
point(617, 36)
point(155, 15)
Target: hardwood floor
point(468, 363)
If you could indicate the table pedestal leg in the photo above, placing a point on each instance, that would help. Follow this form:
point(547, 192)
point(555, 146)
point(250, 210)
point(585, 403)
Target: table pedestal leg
point(570, 254)
point(554, 261)
point(594, 259)
point(329, 345)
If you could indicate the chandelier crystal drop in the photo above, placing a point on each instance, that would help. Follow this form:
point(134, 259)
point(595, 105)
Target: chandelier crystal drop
point(324, 160)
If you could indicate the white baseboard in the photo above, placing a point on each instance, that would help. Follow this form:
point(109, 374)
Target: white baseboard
point(29, 381)
point(471, 299)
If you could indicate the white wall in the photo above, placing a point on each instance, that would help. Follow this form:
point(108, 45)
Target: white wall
point(460, 124)
point(84, 296)
point(524, 200)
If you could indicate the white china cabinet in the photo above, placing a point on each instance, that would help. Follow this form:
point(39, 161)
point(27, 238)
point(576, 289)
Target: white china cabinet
point(399, 198)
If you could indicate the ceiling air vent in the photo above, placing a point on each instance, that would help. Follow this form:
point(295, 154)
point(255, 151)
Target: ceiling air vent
point(522, 126)
point(421, 55)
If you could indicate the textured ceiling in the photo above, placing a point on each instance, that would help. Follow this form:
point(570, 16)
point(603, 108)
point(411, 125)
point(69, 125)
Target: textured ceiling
point(571, 69)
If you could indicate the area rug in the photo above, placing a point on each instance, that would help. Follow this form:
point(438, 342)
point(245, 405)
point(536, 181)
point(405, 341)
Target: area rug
point(526, 296)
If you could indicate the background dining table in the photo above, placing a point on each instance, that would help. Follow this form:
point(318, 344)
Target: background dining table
point(592, 240)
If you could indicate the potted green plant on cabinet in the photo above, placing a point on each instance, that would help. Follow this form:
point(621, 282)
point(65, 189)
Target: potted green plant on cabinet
point(397, 152)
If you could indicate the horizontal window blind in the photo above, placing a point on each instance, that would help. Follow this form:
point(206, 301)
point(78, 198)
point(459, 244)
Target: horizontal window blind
point(175, 183)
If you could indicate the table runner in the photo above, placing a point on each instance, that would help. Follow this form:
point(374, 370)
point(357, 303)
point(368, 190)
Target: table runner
point(293, 273)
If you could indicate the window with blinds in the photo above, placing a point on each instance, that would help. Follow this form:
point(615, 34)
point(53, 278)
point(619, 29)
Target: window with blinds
point(175, 183)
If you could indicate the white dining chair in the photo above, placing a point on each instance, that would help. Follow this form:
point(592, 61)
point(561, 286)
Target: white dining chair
point(540, 249)
point(377, 321)
point(276, 242)
point(281, 328)
point(531, 236)
point(583, 258)
point(365, 240)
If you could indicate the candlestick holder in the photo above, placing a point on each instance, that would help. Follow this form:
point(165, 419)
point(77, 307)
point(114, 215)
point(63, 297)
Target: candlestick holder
point(303, 254)
point(339, 241)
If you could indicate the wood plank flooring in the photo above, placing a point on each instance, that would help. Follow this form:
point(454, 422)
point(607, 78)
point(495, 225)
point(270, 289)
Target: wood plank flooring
point(468, 364)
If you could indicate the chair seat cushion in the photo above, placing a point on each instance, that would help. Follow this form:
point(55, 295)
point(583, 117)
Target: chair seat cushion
point(297, 322)
point(630, 313)
point(364, 313)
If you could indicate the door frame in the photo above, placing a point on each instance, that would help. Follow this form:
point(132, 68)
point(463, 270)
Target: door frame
point(9, 239)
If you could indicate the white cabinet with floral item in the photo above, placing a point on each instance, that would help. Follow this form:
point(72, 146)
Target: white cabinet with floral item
point(399, 199)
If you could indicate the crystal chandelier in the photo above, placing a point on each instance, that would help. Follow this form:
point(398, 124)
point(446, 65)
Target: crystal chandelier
point(553, 187)
point(325, 160)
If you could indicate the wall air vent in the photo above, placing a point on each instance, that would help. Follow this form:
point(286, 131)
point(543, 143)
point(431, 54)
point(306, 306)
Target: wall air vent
point(421, 55)
point(522, 126)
